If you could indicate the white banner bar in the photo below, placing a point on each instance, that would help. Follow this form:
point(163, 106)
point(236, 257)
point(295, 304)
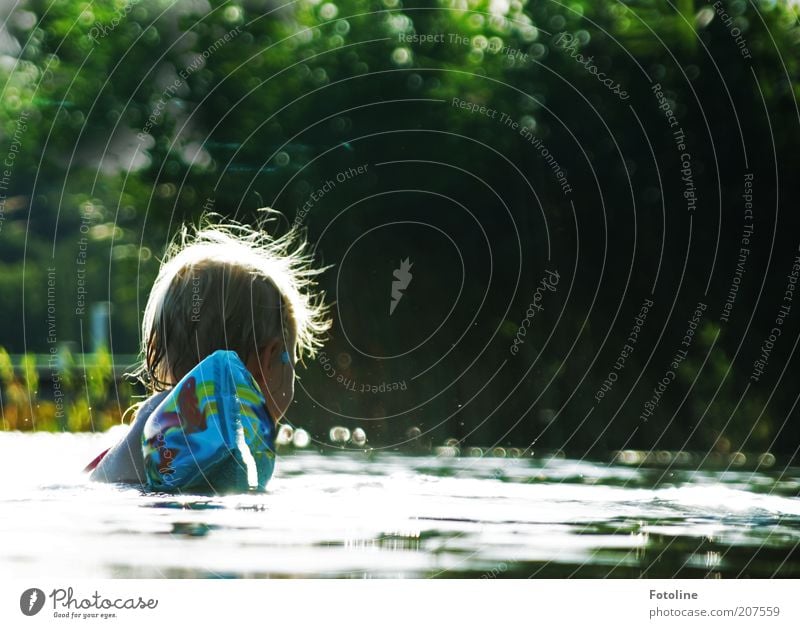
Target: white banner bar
point(400, 603)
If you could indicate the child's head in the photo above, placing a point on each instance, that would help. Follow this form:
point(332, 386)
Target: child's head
point(228, 286)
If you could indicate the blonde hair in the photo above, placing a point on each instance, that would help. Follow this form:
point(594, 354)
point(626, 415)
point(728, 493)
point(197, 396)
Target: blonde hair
point(226, 285)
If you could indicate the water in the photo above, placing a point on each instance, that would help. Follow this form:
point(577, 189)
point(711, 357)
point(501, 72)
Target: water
point(352, 515)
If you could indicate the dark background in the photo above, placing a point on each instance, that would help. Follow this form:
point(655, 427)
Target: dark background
point(303, 92)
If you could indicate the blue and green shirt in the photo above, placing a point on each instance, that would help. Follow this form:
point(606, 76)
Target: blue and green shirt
point(212, 431)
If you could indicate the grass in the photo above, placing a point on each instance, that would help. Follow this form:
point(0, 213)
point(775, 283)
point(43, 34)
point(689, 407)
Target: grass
point(80, 395)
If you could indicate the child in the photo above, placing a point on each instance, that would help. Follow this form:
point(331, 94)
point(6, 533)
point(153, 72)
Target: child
point(230, 311)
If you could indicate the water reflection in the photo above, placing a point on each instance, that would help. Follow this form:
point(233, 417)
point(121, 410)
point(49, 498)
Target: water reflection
point(384, 515)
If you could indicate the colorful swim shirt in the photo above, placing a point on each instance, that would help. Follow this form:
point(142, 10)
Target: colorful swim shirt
point(212, 432)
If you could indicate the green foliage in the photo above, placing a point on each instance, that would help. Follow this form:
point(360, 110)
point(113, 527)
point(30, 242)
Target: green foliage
point(6, 368)
point(99, 376)
point(30, 375)
point(113, 158)
point(66, 368)
point(84, 405)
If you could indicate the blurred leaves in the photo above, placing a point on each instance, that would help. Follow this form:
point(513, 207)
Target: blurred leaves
point(86, 397)
point(130, 117)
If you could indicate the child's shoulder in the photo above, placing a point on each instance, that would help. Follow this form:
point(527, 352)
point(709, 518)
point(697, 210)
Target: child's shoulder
point(147, 406)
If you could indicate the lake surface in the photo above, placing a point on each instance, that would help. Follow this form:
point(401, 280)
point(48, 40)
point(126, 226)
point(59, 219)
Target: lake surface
point(356, 515)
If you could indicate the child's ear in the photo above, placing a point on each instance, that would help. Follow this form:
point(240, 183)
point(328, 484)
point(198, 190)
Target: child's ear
point(270, 355)
point(261, 363)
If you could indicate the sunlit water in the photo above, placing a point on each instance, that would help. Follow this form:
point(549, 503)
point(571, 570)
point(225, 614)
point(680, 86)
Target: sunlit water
point(386, 515)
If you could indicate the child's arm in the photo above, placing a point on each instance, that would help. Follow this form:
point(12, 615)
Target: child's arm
point(124, 462)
